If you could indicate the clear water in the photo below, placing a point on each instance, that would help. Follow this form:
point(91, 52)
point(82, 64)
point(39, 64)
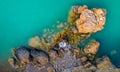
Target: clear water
point(22, 19)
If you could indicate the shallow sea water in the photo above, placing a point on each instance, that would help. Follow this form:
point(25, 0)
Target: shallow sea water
point(22, 19)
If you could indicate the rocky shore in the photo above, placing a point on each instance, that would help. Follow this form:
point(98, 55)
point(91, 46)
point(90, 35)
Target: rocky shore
point(65, 51)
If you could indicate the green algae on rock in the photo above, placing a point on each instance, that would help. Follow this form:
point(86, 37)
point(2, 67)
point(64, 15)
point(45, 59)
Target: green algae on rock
point(59, 51)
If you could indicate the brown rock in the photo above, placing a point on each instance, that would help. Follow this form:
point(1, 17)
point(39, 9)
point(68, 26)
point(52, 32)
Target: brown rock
point(34, 42)
point(104, 63)
point(53, 54)
point(82, 8)
point(83, 59)
point(90, 20)
point(42, 60)
point(79, 9)
point(108, 70)
point(50, 69)
point(88, 64)
point(92, 47)
point(77, 52)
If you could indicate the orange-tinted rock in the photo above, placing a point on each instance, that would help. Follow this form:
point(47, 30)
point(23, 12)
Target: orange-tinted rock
point(90, 20)
point(104, 63)
point(92, 47)
point(87, 64)
point(34, 42)
point(79, 9)
point(83, 58)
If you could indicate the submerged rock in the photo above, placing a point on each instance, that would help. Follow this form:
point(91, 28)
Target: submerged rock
point(104, 63)
point(34, 42)
point(92, 47)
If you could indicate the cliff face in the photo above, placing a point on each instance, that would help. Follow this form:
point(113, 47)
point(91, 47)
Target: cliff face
point(61, 51)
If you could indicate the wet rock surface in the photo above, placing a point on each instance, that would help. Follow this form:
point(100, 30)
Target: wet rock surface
point(62, 52)
point(92, 47)
point(90, 20)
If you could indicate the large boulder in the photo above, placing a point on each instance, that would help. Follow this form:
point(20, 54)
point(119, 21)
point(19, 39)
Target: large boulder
point(90, 20)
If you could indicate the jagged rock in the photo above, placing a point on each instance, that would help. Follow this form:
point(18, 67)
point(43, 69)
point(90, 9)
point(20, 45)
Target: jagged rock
point(90, 20)
point(80, 69)
point(22, 55)
point(87, 64)
point(40, 56)
point(30, 68)
point(83, 58)
point(79, 9)
point(38, 68)
point(76, 52)
point(108, 70)
point(53, 54)
point(104, 63)
point(12, 61)
point(66, 62)
point(92, 47)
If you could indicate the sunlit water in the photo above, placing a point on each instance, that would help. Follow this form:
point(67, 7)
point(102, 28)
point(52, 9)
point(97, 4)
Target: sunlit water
point(22, 19)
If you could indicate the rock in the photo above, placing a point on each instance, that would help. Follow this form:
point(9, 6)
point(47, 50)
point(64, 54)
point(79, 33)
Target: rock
point(40, 56)
point(53, 54)
point(76, 52)
point(80, 69)
point(73, 15)
point(13, 63)
point(104, 63)
point(87, 64)
point(22, 55)
point(60, 52)
point(100, 16)
point(30, 68)
point(92, 47)
point(75, 9)
point(46, 68)
point(108, 70)
point(34, 42)
point(79, 9)
point(83, 59)
point(90, 20)
point(50, 69)
point(40, 62)
point(68, 61)
point(92, 68)
point(75, 30)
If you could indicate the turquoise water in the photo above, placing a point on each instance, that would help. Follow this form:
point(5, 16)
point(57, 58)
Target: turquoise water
point(22, 19)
